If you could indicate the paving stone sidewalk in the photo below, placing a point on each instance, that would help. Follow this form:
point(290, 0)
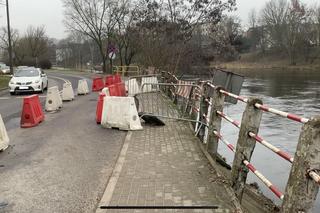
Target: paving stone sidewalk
point(165, 166)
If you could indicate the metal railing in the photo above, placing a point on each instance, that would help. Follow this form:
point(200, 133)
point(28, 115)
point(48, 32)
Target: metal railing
point(202, 103)
point(126, 70)
point(207, 103)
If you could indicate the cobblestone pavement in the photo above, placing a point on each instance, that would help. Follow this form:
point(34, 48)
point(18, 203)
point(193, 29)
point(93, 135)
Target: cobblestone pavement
point(165, 166)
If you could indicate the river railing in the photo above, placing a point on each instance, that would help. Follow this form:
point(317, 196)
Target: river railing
point(203, 103)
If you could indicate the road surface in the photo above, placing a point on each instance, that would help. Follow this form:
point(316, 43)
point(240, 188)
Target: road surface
point(62, 165)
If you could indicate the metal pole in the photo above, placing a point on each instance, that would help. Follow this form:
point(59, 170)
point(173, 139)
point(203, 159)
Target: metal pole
point(9, 38)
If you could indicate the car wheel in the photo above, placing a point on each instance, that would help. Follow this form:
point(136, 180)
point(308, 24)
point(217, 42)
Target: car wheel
point(47, 85)
point(12, 93)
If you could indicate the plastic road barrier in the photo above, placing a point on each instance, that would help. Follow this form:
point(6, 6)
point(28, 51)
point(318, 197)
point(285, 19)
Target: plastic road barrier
point(112, 79)
point(32, 113)
point(99, 107)
point(120, 112)
point(97, 84)
point(133, 87)
point(67, 92)
point(109, 80)
point(83, 88)
point(106, 91)
point(53, 100)
point(113, 90)
point(121, 89)
point(4, 139)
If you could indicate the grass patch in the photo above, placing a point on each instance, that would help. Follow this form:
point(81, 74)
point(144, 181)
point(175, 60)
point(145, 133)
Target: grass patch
point(4, 80)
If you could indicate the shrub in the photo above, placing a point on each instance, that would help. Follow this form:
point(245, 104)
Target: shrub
point(45, 64)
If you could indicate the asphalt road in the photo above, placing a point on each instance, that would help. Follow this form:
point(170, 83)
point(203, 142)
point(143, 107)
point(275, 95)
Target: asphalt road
point(63, 164)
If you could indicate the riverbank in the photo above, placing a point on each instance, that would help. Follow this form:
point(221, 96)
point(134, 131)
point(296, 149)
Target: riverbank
point(272, 63)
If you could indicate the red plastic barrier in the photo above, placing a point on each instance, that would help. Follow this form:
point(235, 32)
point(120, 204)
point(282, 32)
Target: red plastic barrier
point(112, 79)
point(113, 90)
point(109, 80)
point(32, 113)
point(121, 89)
point(97, 84)
point(99, 108)
point(117, 79)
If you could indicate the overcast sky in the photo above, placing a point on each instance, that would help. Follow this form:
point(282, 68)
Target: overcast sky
point(50, 13)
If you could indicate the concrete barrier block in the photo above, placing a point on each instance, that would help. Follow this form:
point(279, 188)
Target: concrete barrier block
point(67, 92)
point(53, 100)
point(120, 112)
point(4, 139)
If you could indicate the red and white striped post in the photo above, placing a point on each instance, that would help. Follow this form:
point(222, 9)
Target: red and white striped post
point(303, 184)
point(251, 119)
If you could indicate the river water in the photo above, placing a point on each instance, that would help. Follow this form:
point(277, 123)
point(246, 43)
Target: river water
point(298, 93)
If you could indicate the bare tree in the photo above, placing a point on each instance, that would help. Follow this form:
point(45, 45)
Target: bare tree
point(167, 27)
point(126, 33)
point(37, 41)
point(94, 19)
point(274, 19)
point(253, 19)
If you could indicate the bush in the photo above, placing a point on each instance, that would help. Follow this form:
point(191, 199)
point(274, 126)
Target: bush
point(45, 64)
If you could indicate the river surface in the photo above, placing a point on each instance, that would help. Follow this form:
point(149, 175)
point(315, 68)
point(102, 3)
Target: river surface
point(298, 93)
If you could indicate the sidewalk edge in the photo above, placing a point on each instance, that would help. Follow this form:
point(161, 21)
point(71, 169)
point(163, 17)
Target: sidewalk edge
point(233, 197)
point(107, 195)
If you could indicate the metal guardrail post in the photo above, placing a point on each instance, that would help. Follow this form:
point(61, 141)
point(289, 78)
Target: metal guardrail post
point(301, 190)
point(215, 121)
point(251, 119)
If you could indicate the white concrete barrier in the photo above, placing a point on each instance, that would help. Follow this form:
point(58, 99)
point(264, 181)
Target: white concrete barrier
point(132, 87)
point(146, 84)
point(120, 112)
point(4, 139)
point(105, 91)
point(53, 100)
point(83, 88)
point(67, 92)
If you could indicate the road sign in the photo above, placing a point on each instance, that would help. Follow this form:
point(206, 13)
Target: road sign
point(112, 55)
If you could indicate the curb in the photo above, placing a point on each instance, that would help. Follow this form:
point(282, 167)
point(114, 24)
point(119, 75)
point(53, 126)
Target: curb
point(111, 185)
point(213, 164)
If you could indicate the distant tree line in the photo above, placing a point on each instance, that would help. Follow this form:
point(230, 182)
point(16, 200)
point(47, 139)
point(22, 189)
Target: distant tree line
point(166, 34)
point(286, 27)
point(173, 35)
point(33, 48)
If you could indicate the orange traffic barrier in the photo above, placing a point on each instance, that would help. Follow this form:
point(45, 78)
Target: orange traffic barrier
point(99, 107)
point(32, 113)
point(97, 84)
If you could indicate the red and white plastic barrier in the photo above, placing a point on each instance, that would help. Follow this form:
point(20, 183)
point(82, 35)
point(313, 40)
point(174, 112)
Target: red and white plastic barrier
point(274, 189)
point(32, 113)
point(4, 139)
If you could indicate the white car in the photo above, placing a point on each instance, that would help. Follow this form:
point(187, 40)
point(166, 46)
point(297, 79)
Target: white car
point(28, 80)
point(4, 69)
